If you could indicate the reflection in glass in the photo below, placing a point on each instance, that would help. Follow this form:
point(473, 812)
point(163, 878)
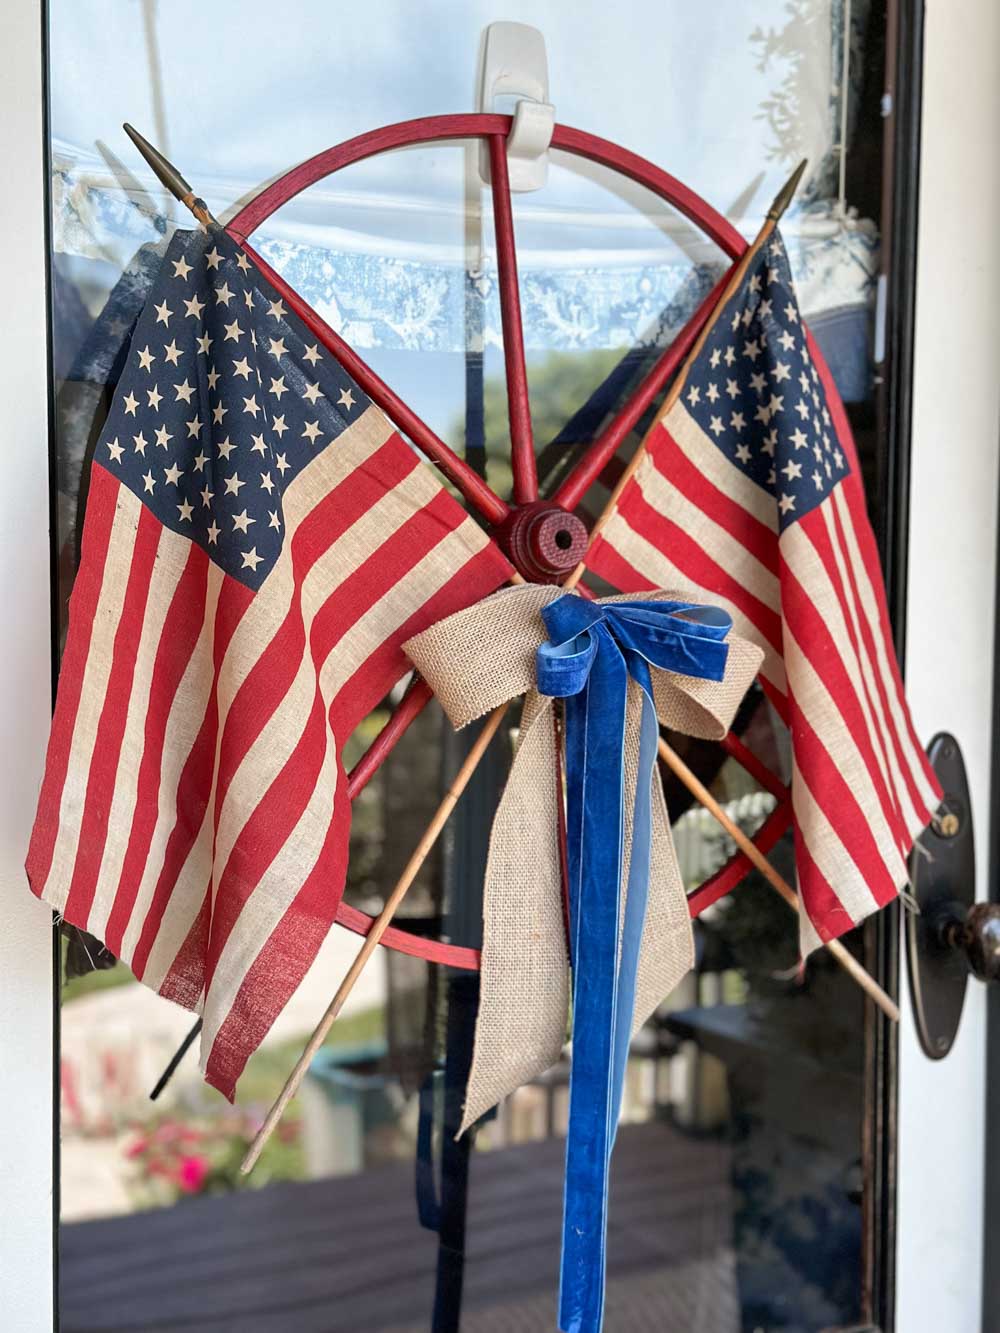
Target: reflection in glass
point(736, 1185)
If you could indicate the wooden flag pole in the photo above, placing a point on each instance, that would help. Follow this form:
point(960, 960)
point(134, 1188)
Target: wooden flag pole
point(753, 853)
point(430, 836)
point(175, 1060)
point(171, 178)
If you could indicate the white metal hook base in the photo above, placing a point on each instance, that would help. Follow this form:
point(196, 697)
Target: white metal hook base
point(515, 65)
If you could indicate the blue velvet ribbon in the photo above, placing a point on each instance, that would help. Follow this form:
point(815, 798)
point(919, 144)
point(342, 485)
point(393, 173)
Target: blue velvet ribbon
point(593, 649)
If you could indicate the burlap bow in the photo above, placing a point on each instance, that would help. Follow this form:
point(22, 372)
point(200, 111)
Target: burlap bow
point(484, 656)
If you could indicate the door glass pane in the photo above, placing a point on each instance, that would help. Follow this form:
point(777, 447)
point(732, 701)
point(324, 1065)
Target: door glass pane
point(737, 1185)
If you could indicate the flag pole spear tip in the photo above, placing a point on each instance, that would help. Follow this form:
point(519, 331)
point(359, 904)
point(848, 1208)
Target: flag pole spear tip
point(787, 192)
point(168, 176)
point(166, 173)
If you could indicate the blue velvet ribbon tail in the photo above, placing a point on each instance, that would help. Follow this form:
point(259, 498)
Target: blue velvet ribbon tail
point(593, 652)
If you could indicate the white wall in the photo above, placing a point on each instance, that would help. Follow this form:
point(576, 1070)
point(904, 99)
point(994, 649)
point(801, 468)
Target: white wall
point(953, 540)
point(26, 1183)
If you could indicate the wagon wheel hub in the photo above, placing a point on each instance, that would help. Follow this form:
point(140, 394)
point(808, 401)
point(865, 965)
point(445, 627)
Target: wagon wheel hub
point(543, 541)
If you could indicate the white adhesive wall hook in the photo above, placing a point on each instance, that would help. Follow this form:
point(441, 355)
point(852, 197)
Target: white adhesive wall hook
point(515, 66)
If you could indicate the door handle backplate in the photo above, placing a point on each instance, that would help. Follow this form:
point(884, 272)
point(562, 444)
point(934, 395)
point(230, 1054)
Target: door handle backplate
point(949, 937)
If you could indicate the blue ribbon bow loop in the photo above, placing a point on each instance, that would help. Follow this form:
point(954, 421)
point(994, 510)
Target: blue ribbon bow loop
point(593, 651)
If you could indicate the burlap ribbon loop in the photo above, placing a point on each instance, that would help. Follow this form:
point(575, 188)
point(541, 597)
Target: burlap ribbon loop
point(483, 656)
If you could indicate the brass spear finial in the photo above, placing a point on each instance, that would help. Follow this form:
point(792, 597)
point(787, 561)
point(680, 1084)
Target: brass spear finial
point(784, 196)
point(168, 175)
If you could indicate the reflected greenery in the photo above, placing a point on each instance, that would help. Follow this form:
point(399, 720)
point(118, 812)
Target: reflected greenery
point(559, 384)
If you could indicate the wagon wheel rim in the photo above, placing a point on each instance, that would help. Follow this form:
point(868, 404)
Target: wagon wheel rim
point(544, 538)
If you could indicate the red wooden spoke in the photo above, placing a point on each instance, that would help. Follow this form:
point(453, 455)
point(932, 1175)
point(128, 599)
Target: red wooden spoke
point(430, 129)
point(522, 444)
point(602, 450)
point(724, 881)
point(727, 877)
point(413, 703)
point(454, 468)
point(757, 769)
point(739, 866)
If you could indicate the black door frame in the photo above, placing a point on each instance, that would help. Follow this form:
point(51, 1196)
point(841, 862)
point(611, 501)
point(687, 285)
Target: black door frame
point(901, 107)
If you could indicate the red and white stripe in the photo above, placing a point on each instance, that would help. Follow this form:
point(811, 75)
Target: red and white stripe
point(194, 813)
point(812, 598)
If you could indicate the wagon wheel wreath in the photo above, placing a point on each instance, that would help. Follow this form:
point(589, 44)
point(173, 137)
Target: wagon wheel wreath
point(543, 538)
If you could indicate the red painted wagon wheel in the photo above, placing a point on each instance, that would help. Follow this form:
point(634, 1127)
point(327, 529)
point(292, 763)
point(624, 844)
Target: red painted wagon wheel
point(543, 538)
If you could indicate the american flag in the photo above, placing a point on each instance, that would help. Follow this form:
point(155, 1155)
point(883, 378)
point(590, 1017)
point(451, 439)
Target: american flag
point(258, 544)
point(750, 496)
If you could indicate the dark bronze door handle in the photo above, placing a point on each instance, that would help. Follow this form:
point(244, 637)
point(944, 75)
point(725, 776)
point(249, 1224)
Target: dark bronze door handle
point(975, 933)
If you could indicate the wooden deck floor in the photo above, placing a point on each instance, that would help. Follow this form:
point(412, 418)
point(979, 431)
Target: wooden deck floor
point(347, 1255)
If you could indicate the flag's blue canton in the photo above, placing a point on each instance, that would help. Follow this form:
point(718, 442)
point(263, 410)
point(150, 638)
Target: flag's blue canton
point(755, 391)
point(224, 399)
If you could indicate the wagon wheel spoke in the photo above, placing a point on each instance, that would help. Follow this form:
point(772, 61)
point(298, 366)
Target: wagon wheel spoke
point(738, 866)
point(727, 877)
point(582, 476)
point(406, 712)
point(722, 882)
point(522, 444)
point(413, 703)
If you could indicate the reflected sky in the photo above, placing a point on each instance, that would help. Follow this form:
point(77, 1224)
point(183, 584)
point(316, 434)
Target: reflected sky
point(725, 95)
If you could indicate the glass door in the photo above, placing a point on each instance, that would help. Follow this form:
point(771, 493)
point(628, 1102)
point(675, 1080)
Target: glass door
point(747, 1190)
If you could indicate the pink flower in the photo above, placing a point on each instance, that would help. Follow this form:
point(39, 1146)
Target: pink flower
point(191, 1174)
